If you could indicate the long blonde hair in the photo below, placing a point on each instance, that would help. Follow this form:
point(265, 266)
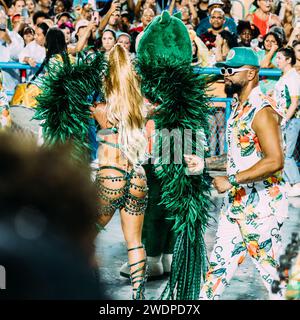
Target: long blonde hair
point(125, 104)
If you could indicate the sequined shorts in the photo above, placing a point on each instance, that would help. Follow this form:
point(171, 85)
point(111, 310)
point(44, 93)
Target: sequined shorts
point(120, 189)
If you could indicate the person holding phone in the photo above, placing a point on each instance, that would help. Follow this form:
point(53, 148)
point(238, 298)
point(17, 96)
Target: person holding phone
point(112, 20)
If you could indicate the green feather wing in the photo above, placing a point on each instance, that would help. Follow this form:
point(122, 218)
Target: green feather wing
point(183, 104)
point(63, 105)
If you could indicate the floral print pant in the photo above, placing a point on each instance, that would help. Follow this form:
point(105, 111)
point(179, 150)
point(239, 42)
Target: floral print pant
point(259, 237)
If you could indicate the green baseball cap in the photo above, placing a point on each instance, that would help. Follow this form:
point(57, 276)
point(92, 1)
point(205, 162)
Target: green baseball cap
point(240, 56)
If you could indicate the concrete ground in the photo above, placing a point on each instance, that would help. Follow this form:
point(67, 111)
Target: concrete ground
point(246, 284)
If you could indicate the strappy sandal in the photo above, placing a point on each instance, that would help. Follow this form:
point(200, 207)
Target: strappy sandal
point(138, 276)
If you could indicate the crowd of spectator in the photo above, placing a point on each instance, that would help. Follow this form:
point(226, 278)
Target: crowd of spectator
point(215, 26)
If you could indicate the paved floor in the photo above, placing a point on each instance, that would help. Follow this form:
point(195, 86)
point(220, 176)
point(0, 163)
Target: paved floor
point(245, 285)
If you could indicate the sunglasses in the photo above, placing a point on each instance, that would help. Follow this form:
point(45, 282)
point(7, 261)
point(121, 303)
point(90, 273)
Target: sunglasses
point(231, 71)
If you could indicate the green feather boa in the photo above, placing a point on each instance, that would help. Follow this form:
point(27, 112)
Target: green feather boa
point(183, 104)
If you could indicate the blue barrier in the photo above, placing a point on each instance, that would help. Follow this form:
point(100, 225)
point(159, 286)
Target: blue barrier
point(16, 65)
point(262, 72)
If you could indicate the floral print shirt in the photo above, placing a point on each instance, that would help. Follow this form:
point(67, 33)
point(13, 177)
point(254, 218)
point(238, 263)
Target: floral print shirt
point(258, 199)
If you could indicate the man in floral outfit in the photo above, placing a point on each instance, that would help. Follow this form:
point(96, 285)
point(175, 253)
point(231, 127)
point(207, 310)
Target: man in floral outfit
point(255, 203)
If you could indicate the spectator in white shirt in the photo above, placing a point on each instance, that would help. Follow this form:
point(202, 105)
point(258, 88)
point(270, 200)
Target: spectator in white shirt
point(11, 44)
point(35, 52)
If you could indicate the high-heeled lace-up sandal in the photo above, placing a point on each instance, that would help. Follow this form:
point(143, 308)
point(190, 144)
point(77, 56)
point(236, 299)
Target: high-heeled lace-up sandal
point(139, 275)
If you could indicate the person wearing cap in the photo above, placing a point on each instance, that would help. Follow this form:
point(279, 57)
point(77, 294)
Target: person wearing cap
point(17, 22)
point(255, 203)
point(205, 24)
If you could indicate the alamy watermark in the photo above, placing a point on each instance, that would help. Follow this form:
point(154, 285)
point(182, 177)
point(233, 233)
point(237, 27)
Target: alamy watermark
point(2, 278)
point(174, 144)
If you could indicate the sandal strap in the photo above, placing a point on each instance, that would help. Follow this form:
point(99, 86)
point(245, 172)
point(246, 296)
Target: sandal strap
point(134, 264)
point(134, 279)
point(143, 268)
point(135, 248)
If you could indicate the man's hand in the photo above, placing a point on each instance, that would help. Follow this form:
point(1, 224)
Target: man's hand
point(30, 61)
point(222, 184)
point(195, 164)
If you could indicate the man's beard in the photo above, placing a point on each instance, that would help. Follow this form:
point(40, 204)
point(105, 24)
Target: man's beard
point(232, 88)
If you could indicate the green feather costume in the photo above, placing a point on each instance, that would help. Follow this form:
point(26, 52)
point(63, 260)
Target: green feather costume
point(63, 105)
point(164, 63)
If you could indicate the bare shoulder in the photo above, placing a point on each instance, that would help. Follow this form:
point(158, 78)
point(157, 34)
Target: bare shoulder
point(100, 105)
point(266, 118)
point(100, 114)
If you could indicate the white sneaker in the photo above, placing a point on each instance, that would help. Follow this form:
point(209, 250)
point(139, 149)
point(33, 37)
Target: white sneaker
point(294, 190)
point(167, 261)
point(155, 269)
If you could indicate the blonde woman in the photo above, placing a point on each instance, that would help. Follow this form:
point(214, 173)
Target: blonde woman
point(121, 179)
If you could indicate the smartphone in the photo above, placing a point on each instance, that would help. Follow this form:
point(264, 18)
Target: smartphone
point(25, 13)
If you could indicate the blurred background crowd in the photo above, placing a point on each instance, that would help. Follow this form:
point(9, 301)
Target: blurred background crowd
point(214, 26)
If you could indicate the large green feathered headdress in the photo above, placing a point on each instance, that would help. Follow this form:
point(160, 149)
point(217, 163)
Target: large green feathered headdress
point(166, 36)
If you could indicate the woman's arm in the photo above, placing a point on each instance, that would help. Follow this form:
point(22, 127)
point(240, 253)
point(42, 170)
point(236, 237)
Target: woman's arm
point(266, 62)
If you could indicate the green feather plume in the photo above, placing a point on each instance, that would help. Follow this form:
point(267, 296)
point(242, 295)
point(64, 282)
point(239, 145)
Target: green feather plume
point(63, 105)
point(183, 104)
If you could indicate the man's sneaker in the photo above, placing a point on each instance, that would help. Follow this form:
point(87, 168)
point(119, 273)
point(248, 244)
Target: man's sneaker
point(155, 269)
point(294, 191)
point(167, 261)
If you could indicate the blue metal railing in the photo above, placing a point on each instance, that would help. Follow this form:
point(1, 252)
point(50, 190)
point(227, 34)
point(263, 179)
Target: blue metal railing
point(262, 72)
